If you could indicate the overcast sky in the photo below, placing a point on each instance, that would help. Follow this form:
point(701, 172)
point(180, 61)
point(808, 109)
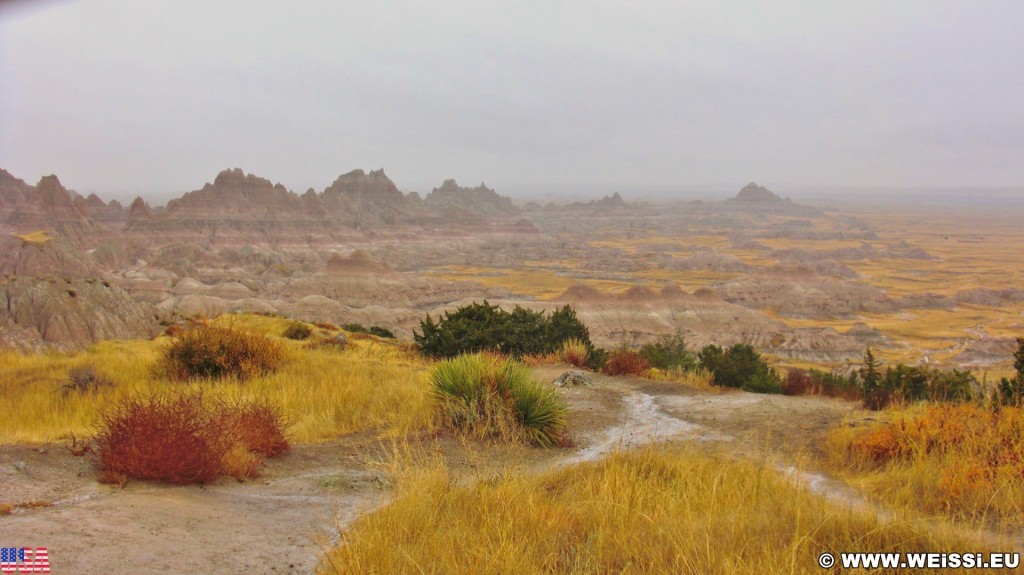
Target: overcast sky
point(158, 96)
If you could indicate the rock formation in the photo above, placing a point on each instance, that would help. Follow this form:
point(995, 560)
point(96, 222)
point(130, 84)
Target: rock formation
point(572, 377)
point(55, 296)
point(755, 193)
point(481, 199)
point(357, 263)
point(46, 206)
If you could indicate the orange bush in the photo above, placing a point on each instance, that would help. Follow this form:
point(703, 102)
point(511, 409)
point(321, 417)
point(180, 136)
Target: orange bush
point(184, 438)
point(258, 426)
point(625, 362)
point(974, 449)
point(941, 429)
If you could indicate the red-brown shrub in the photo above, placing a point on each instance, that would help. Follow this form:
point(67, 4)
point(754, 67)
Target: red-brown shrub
point(626, 362)
point(166, 438)
point(185, 438)
point(799, 382)
point(814, 382)
point(258, 426)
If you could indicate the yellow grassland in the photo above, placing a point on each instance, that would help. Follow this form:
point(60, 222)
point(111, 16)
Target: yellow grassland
point(38, 238)
point(326, 392)
point(686, 279)
point(635, 244)
point(543, 284)
point(966, 461)
point(659, 510)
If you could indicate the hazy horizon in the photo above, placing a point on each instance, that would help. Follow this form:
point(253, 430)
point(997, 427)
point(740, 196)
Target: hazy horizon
point(155, 99)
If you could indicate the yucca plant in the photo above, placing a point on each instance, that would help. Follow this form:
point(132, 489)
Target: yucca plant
point(491, 397)
point(538, 408)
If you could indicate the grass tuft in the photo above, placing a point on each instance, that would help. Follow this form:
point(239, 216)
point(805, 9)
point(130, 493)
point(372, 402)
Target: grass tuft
point(297, 331)
point(489, 397)
point(576, 352)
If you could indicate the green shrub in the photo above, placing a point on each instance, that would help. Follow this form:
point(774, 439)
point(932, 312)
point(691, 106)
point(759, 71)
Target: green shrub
point(911, 383)
point(596, 359)
point(297, 331)
point(355, 328)
point(669, 352)
point(214, 352)
point(484, 327)
point(740, 366)
point(487, 397)
point(381, 332)
point(1011, 390)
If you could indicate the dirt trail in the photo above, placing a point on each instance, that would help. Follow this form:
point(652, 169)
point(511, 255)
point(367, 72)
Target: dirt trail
point(276, 524)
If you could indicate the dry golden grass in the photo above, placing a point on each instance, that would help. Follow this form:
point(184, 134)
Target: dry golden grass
point(325, 392)
point(701, 379)
point(935, 333)
point(9, 508)
point(36, 238)
point(540, 283)
point(964, 461)
point(575, 352)
point(652, 511)
point(634, 244)
point(686, 280)
point(544, 359)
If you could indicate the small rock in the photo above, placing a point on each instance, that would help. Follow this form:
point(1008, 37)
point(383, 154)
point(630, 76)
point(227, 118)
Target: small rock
point(572, 377)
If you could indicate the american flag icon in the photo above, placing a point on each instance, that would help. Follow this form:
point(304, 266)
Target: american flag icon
point(24, 560)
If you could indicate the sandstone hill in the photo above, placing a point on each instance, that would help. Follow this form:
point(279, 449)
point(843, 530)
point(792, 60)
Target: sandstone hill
point(753, 197)
point(45, 206)
point(481, 199)
point(755, 193)
point(56, 296)
point(239, 208)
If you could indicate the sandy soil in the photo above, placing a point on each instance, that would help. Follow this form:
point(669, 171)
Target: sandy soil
point(279, 522)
